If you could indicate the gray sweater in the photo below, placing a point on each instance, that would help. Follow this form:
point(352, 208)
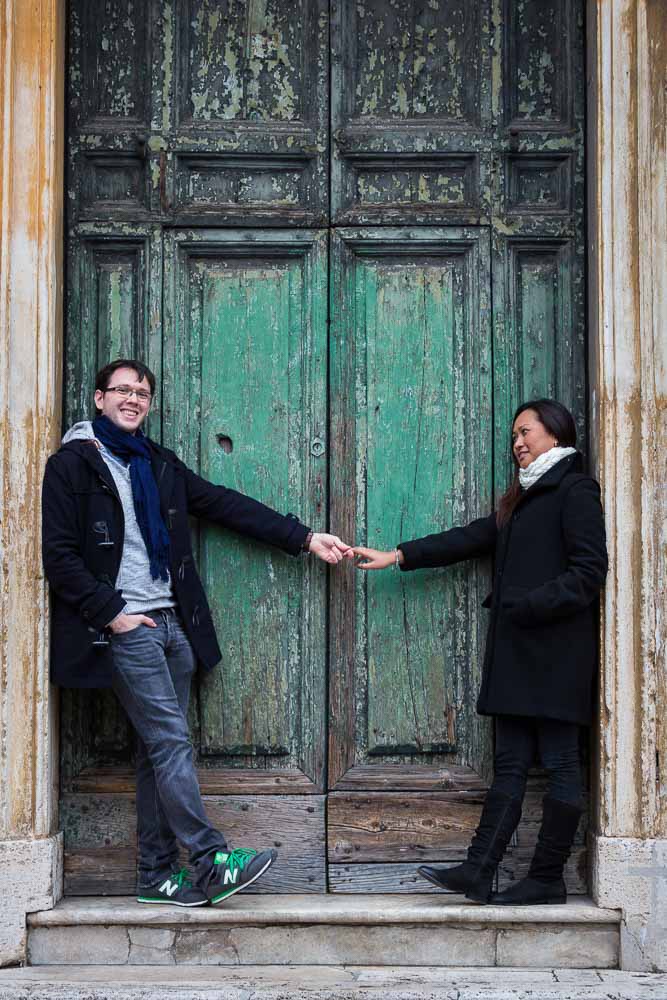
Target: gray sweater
point(140, 591)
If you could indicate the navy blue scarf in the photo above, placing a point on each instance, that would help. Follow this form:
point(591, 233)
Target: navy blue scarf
point(133, 448)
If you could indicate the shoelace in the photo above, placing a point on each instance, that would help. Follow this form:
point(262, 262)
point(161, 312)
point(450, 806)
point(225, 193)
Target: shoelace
point(239, 858)
point(181, 879)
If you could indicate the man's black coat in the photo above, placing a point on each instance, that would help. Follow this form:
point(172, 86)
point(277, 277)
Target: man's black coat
point(550, 563)
point(82, 512)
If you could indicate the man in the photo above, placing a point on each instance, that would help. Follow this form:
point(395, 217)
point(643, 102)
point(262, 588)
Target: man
point(129, 611)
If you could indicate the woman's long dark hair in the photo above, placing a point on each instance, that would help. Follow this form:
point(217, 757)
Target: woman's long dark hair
point(558, 421)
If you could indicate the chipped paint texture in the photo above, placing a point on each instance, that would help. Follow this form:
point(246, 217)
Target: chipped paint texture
point(415, 59)
point(416, 141)
point(31, 79)
point(630, 234)
point(243, 60)
point(264, 389)
point(628, 223)
point(214, 110)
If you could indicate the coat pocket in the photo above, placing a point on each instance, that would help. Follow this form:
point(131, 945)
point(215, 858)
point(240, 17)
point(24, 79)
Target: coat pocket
point(514, 605)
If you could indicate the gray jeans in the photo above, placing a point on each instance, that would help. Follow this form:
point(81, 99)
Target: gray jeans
point(152, 670)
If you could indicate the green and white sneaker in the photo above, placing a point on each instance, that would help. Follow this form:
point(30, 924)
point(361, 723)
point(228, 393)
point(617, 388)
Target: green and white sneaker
point(235, 870)
point(177, 889)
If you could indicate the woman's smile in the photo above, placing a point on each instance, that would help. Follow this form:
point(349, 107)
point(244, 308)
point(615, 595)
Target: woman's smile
point(530, 438)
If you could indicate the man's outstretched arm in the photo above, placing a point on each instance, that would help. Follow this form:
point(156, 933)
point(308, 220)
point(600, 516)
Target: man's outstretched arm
point(249, 517)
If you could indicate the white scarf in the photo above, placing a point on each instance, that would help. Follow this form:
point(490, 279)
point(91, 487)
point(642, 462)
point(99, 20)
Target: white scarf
point(529, 476)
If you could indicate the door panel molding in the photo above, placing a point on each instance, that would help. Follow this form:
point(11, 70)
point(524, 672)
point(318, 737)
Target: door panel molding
point(212, 781)
point(245, 317)
point(375, 409)
point(411, 777)
point(381, 827)
point(411, 139)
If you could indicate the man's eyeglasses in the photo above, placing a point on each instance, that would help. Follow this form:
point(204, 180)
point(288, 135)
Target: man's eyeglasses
point(126, 391)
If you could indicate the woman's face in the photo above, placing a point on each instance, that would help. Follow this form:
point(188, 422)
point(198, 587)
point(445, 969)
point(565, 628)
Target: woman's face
point(530, 438)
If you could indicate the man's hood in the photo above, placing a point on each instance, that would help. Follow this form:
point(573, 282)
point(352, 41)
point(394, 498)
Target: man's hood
point(82, 431)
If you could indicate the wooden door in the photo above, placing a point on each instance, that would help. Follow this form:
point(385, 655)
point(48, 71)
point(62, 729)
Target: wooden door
point(464, 114)
point(411, 453)
point(348, 238)
point(198, 169)
point(246, 319)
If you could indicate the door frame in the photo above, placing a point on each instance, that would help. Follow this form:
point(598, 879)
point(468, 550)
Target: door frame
point(623, 185)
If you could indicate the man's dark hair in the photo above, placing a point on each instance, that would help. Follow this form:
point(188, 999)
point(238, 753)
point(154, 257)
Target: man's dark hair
point(103, 376)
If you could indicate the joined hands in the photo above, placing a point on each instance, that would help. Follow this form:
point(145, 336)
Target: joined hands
point(376, 558)
point(331, 549)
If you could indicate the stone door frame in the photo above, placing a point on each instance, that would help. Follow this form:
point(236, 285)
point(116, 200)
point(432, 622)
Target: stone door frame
point(627, 263)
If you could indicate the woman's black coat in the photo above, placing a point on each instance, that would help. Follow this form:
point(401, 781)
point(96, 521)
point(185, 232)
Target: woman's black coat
point(550, 563)
point(81, 512)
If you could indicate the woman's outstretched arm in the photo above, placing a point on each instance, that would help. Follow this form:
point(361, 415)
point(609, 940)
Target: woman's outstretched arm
point(442, 549)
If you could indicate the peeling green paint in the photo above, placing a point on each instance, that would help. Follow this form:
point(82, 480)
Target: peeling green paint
point(463, 119)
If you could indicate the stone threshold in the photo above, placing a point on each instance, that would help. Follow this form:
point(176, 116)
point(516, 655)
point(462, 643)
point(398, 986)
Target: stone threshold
point(319, 930)
point(311, 908)
point(95, 982)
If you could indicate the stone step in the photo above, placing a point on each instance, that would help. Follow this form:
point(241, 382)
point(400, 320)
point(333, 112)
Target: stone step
point(322, 982)
point(379, 930)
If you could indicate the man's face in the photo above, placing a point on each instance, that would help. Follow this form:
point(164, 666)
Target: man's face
point(125, 411)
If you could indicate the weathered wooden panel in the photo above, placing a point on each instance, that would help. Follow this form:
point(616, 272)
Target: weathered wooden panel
point(391, 826)
point(411, 777)
point(155, 87)
point(433, 67)
point(100, 871)
point(212, 781)
point(408, 373)
point(109, 62)
point(539, 333)
point(94, 733)
point(410, 100)
point(397, 878)
point(436, 180)
point(100, 840)
point(113, 307)
point(238, 183)
point(538, 223)
point(382, 878)
point(247, 321)
point(248, 98)
point(539, 184)
point(244, 60)
point(113, 183)
point(373, 830)
point(100, 821)
point(539, 38)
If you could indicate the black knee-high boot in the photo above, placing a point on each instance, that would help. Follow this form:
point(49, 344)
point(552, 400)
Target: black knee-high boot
point(544, 882)
point(499, 819)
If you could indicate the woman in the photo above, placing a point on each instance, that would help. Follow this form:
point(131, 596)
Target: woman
point(550, 563)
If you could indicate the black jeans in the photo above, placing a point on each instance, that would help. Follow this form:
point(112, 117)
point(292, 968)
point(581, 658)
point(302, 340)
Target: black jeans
point(519, 739)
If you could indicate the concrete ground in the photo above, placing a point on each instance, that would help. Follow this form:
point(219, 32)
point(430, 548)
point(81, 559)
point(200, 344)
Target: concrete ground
point(325, 983)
